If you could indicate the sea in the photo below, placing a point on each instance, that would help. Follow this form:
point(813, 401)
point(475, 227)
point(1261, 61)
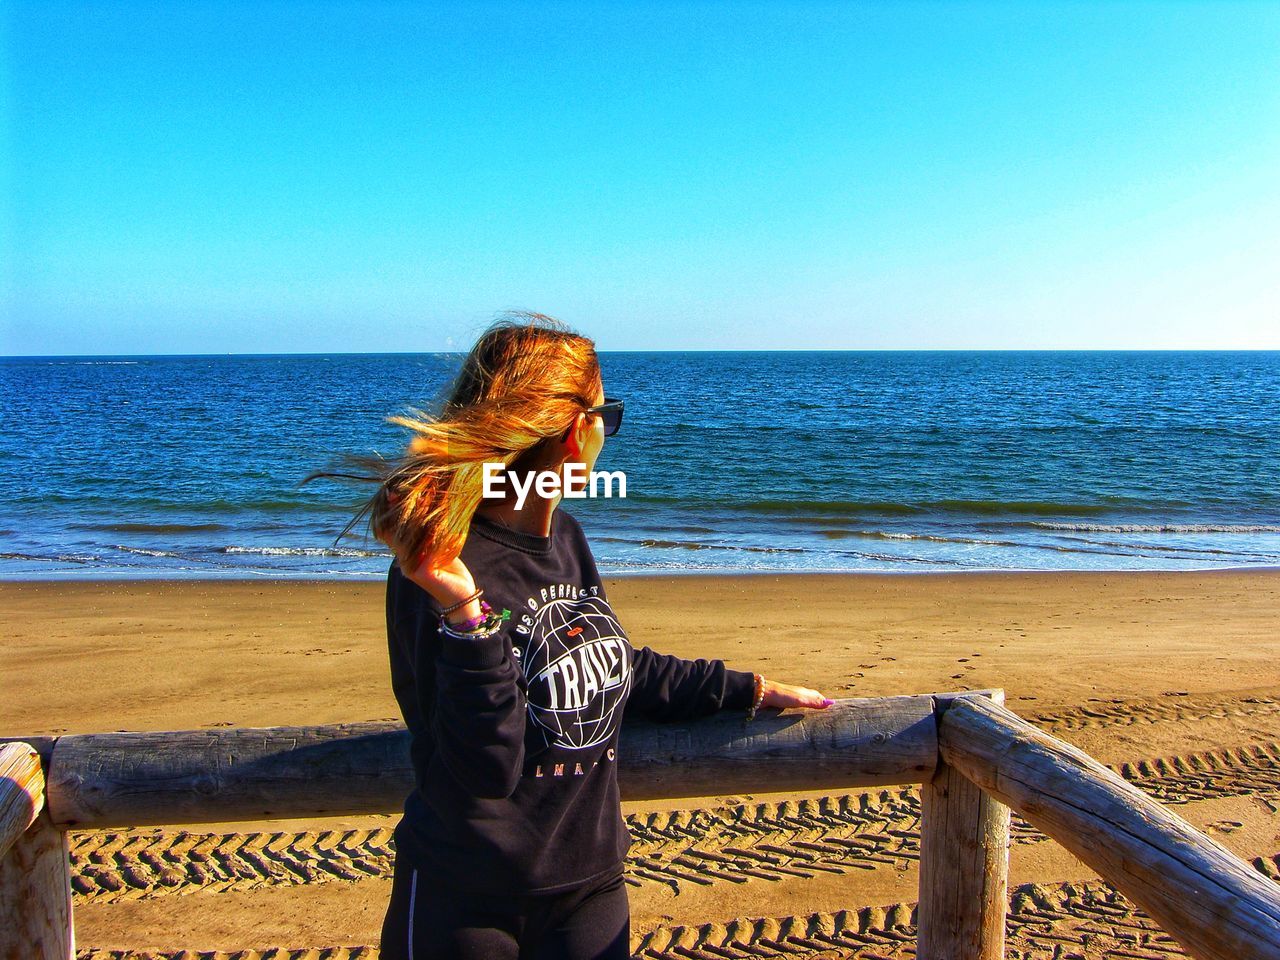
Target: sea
point(765, 462)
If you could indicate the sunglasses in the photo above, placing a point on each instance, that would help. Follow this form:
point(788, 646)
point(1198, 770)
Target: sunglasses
point(610, 413)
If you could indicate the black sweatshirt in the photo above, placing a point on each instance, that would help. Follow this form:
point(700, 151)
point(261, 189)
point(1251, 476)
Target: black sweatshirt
point(515, 736)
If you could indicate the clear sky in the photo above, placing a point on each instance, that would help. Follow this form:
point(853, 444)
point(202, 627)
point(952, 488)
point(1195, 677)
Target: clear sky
point(188, 177)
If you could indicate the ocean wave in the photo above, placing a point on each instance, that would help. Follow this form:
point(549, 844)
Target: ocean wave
point(57, 558)
point(1072, 546)
point(833, 534)
point(929, 537)
point(833, 564)
point(1185, 550)
point(695, 545)
point(806, 510)
point(1030, 545)
point(143, 505)
point(1160, 527)
point(307, 551)
point(151, 527)
point(149, 552)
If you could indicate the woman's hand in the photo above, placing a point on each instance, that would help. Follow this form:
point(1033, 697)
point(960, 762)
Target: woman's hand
point(784, 695)
point(445, 583)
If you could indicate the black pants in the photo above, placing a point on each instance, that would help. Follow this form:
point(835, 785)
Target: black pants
point(426, 920)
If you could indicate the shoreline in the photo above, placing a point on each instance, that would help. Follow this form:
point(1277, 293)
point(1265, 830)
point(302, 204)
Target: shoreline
point(275, 576)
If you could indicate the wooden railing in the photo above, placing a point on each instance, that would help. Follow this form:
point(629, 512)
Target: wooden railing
point(974, 758)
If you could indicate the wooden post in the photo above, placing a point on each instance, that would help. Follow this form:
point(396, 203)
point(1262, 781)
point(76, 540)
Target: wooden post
point(21, 792)
point(1216, 906)
point(35, 865)
point(964, 866)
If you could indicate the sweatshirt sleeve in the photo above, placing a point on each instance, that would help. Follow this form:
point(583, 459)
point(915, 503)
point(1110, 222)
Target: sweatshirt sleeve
point(666, 688)
point(479, 717)
point(477, 709)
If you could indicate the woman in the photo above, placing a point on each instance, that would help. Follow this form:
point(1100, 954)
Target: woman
point(513, 673)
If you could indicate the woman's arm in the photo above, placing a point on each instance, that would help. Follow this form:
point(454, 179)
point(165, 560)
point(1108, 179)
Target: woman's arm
point(666, 688)
point(480, 714)
point(474, 704)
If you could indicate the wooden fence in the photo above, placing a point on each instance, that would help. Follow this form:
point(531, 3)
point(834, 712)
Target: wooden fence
point(974, 758)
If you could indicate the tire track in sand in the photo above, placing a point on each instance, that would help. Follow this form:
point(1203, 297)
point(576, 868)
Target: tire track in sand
point(271, 953)
point(1169, 708)
point(1045, 922)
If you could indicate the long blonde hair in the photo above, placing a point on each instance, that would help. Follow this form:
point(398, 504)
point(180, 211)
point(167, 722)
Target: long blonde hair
point(522, 384)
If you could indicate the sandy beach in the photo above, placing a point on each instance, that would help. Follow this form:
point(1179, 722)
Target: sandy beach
point(1134, 668)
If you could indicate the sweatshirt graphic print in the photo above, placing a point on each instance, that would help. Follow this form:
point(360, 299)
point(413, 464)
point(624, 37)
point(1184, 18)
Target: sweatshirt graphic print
point(577, 667)
point(514, 737)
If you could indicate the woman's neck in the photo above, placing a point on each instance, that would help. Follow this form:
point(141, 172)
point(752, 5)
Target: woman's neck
point(535, 518)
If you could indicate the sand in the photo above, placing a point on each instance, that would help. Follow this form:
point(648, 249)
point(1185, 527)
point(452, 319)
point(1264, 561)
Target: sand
point(1129, 666)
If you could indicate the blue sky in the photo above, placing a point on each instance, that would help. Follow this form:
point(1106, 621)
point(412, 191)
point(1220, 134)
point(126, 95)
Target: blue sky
point(308, 177)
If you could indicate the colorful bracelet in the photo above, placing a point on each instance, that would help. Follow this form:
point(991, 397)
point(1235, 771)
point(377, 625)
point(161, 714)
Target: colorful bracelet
point(478, 635)
point(758, 697)
point(466, 626)
point(491, 624)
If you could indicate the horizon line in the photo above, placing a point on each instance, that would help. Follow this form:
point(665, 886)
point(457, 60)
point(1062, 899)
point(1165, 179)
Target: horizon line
point(433, 353)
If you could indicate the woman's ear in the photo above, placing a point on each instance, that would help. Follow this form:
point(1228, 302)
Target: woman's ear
point(572, 441)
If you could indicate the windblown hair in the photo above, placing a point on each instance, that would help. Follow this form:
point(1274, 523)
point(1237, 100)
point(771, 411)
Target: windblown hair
point(522, 384)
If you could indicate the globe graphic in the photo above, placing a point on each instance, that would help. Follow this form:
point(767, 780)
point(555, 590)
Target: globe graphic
point(578, 666)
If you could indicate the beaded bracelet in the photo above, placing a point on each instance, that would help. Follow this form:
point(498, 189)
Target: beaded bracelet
point(758, 698)
point(462, 603)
